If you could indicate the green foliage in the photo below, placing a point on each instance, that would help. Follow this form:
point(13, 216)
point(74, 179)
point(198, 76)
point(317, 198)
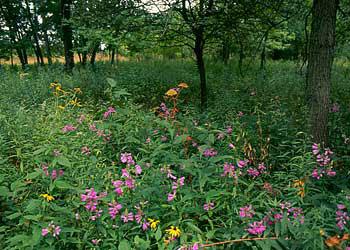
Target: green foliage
point(271, 130)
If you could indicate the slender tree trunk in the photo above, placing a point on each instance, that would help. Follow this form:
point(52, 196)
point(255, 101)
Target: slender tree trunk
point(225, 50)
point(198, 50)
point(320, 60)
point(112, 56)
point(48, 48)
point(241, 58)
point(93, 54)
point(263, 52)
point(67, 34)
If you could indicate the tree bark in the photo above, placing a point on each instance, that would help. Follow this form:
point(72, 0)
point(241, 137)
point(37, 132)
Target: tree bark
point(67, 34)
point(198, 50)
point(320, 60)
point(93, 54)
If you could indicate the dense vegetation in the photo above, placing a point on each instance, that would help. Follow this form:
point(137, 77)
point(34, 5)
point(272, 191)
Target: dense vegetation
point(208, 124)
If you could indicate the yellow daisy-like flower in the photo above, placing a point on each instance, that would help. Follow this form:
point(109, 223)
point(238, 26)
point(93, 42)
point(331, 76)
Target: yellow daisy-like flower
point(171, 92)
point(52, 85)
point(47, 197)
point(153, 223)
point(61, 107)
point(174, 232)
point(77, 90)
point(300, 184)
point(183, 85)
point(75, 102)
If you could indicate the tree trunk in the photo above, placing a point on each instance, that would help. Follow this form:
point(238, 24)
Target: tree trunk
point(198, 50)
point(93, 54)
point(263, 52)
point(48, 49)
point(67, 34)
point(321, 53)
point(241, 58)
point(225, 50)
point(112, 56)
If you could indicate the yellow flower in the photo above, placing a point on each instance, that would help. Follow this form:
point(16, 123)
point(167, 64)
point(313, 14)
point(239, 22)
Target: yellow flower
point(77, 90)
point(171, 92)
point(75, 102)
point(47, 197)
point(183, 85)
point(153, 223)
point(61, 107)
point(300, 184)
point(174, 232)
point(321, 232)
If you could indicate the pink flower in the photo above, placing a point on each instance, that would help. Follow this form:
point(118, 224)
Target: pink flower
point(68, 128)
point(108, 112)
point(229, 169)
point(114, 209)
point(210, 152)
point(127, 158)
point(171, 196)
point(253, 172)
point(148, 140)
point(145, 225)
point(54, 174)
point(163, 138)
point(195, 246)
point(126, 217)
point(246, 212)
point(331, 172)
point(315, 149)
point(335, 108)
point(256, 228)
point(125, 173)
point(130, 183)
point(229, 130)
point(208, 206)
point(92, 127)
point(231, 146)
point(242, 163)
point(170, 175)
point(85, 150)
point(56, 231)
point(138, 169)
point(95, 241)
point(182, 181)
point(240, 114)
point(341, 206)
point(44, 231)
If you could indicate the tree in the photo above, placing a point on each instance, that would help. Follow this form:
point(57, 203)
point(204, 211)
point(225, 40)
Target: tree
point(320, 60)
point(67, 34)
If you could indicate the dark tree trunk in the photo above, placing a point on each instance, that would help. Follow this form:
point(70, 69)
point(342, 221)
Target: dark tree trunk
point(48, 48)
point(93, 54)
point(320, 60)
point(263, 52)
point(241, 58)
point(225, 50)
point(67, 34)
point(198, 50)
point(84, 58)
point(112, 56)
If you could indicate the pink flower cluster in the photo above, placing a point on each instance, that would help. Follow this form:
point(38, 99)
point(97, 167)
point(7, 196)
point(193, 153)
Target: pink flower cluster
point(81, 119)
point(91, 202)
point(208, 206)
point(54, 173)
point(163, 110)
point(114, 209)
point(233, 171)
point(210, 152)
point(246, 212)
point(324, 162)
point(68, 128)
point(175, 185)
point(256, 228)
point(52, 228)
point(85, 150)
point(255, 172)
point(99, 132)
point(127, 158)
point(109, 112)
point(342, 216)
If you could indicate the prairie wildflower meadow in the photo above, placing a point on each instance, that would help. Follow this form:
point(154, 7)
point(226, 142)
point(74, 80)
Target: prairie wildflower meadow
point(103, 161)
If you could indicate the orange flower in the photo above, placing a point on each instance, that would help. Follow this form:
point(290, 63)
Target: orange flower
point(171, 92)
point(183, 85)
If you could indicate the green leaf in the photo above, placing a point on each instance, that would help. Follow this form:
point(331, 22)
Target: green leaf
point(64, 161)
point(13, 216)
point(4, 191)
point(62, 185)
point(194, 227)
point(124, 245)
point(158, 234)
point(33, 175)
